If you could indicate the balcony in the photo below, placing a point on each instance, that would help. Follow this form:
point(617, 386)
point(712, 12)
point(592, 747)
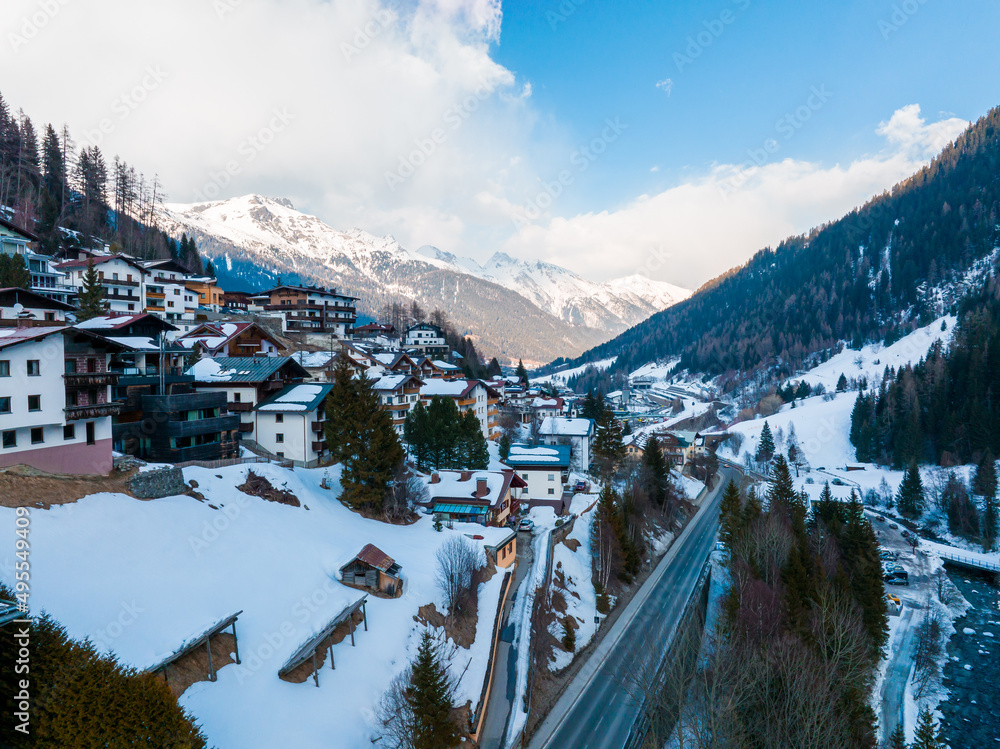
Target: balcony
point(202, 426)
point(246, 427)
point(155, 295)
point(94, 411)
point(319, 446)
point(319, 427)
point(272, 385)
point(240, 407)
point(90, 379)
point(118, 282)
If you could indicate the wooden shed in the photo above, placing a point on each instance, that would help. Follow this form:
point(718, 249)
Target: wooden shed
point(373, 569)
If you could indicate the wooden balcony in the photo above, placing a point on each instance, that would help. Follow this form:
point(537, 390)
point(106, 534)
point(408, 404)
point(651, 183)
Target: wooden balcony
point(240, 407)
point(246, 427)
point(90, 379)
point(319, 427)
point(319, 446)
point(94, 411)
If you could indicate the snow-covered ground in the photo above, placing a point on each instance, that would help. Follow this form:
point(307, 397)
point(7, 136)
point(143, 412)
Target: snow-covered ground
point(691, 487)
point(141, 578)
point(561, 377)
point(577, 570)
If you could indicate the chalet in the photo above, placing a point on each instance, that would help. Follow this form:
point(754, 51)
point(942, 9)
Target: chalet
point(22, 307)
point(46, 280)
point(482, 497)
point(374, 332)
point(207, 293)
point(545, 470)
point(290, 424)
point(426, 339)
point(577, 433)
point(504, 553)
point(121, 277)
point(217, 339)
point(319, 364)
point(55, 405)
point(373, 569)
point(398, 394)
point(236, 301)
point(542, 407)
point(167, 293)
point(469, 395)
point(247, 381)
point(310, 309)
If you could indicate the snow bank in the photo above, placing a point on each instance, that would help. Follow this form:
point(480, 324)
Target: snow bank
point(576, 567)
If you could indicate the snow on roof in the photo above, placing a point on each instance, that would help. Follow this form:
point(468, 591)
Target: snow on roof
point(390, 382)
point(548, 455)
point(562, 426)
point(448, 388)
point(452, 486)
point(297, 398)
point(106, 322)
point(242, 368)
point(547, 403)
point(300, 393)
point(14, 336)
point(313, 359)
point(136, 343)
point(445, 365)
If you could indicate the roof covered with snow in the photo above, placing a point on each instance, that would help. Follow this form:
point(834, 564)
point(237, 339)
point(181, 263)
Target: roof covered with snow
point(525, 456)
point(563, 426)
point(297, 398)
point(448, 388)
point(251, 369)
point(464, 486)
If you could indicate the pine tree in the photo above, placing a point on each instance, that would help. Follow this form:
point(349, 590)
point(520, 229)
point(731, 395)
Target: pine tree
point(927, 735)
point(340, 410)
point(985, 485)
point(13, 272)
point(504, 446)
point(910, 498)
point(429, 698)
point(416, 435)
point(193, 357)
point(752, 508)
point(657, 471)
point(730, 515)
point(765, 448)
point(371, 452)
point(90, 302)
point(522, 373)
point(473, 450)
point(569, 634)
point(591, 408)
point(842, 383)
point(898, 738)
point(608, 447)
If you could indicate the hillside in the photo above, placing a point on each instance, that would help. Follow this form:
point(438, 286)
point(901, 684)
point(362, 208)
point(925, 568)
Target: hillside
point(872, 275)
point(253, 240)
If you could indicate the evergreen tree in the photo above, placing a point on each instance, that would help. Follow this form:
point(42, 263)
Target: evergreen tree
point(842, 383)
point(429, 698)
point(608, 447)
point(657, 472)
point(494, 369)
point(341, 415)
point(592, 408)
point(90, 302)
point(730, 515)
point(371, 450)
point(765, 448)
point(569, 634)
point(752, 509)
point(910, 498)
point(522, 373)
point(505, 444)
point(13, 272)
point(193, 357)
point(898, 738)
point(442, 432)
point(473, 451)
point(415, 432)
point(985, 485)
point(927, 735)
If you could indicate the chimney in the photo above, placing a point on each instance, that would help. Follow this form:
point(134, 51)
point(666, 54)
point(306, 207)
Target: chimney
point(435, 478)
point(481, 488)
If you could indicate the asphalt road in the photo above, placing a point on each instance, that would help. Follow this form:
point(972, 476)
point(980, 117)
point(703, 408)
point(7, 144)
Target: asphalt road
point(597, 710)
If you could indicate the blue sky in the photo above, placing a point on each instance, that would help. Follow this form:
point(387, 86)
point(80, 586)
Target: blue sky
point(591, 60)
point(458, 123)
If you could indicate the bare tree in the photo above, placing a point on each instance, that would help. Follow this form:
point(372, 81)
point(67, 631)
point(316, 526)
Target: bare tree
point(458, 561)
point(395, 715)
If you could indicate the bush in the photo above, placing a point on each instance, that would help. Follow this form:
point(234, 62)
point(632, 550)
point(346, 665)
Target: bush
point(569, 634)
point(603, 603)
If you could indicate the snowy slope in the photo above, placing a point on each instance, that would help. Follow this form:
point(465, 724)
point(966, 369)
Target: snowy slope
point(620, 303)
point(170, 568)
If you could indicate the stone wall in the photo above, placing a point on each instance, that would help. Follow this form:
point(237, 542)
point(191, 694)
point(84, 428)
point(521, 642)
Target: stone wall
point(160, 482)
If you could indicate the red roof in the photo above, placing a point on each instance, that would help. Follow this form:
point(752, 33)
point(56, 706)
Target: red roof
point(375, 557)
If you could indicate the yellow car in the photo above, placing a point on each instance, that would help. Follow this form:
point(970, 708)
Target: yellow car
point(893, 599)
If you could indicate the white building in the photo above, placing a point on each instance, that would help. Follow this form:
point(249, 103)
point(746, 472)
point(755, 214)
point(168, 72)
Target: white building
point(22, 305)
point(469, 395)
point(544, 468)
point(121, 277)
point(167, 294)
point(55, 405)
point(290, 425)
point(426, 339)
point(577, 433)
point(398, 394)
point(45, 278)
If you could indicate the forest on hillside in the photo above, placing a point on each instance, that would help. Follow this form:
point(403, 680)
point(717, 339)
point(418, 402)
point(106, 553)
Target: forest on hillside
point(72, 196)
point(869, 276)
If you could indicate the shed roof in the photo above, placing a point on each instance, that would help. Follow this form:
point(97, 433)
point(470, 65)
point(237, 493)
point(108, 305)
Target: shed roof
point(375, 557)
point(251, 369)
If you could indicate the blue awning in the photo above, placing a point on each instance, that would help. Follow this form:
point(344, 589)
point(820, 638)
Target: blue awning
point(457, 509)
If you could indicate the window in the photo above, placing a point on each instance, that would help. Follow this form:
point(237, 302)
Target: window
point(552, 477)
point(50, 316)
point(71, 366)
point(170, 304)
point(131, 307)
point(91, 437)
point(71, 398)
point(91, 365)
point(236, 397)
point(69, 432)
point(5, 404)
point(280, 455)
point(4, 368)
point(279, 418)
point(9, 438)
point(279, 438)
point(34, 368)
point(177, 292)
point(34, 403)
point(37, 435)
point(551, 490)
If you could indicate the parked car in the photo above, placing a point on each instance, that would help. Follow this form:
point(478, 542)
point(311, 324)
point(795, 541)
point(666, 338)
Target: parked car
point(894, 526)
point(526, 525)
point(893, 599)
point(581, 486)
point(838, 482)
point(898, 578)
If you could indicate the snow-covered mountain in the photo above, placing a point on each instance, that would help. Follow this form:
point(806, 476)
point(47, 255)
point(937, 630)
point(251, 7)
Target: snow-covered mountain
point(617, 304)
point(253, 239)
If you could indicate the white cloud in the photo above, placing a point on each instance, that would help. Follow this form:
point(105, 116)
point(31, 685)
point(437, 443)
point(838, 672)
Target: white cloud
point(694, 231)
